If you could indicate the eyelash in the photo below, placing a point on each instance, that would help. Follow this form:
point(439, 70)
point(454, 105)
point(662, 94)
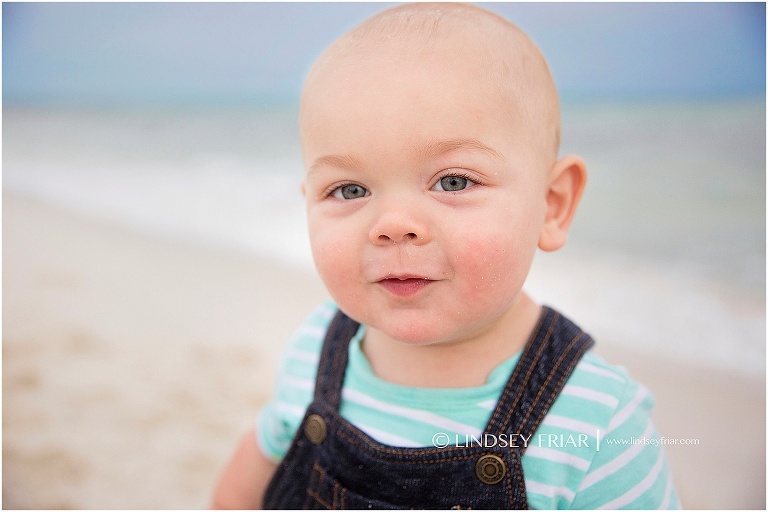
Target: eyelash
point(328, 192)
point(459, 174)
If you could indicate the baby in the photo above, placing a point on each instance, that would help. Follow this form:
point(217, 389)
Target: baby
point(430, 137)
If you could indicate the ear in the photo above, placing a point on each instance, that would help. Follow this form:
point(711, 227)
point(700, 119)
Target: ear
point(568, 177)
point(304, 188)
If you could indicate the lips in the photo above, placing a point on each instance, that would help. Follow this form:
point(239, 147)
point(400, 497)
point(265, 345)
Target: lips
point(404, 286)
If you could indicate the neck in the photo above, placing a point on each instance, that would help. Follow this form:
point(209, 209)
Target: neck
point(463, 363)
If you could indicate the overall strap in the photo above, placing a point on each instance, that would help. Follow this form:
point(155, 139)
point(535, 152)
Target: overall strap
point(547, 361)
point(333, 359)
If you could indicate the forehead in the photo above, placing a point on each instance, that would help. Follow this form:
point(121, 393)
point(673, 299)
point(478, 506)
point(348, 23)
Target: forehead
point(440, 94)
point(462, 76)
point(404, 46)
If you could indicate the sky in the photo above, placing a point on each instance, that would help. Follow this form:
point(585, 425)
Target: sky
point(260, 52)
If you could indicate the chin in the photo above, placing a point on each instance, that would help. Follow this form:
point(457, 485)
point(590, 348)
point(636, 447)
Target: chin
point(417, 327)
point(414, 332)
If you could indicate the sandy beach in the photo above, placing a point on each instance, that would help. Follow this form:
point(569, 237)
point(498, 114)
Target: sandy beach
point(131, 364)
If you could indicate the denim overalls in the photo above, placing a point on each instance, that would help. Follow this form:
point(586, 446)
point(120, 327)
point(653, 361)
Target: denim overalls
point(333, 465)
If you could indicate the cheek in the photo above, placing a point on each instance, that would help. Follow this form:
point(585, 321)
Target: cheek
point(336, 259)
point(490, 264)
point(495, 262)
point(325, 250)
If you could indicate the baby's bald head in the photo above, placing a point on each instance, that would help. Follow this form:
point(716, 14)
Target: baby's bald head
point(430, 139)
point(484, 51)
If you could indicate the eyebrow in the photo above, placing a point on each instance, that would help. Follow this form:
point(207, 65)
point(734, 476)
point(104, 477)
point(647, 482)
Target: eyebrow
point(444, 146)
point(431, 149)
point(349, 162)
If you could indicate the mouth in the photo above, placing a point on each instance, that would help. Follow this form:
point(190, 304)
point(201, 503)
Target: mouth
point(404, 286)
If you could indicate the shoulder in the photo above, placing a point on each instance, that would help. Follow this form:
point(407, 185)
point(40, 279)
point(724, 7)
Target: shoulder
point(629, 468)
point(303, 349)
point(596, 389)
point(294, 387)
point(587, 453)
point(597, 394)
point(562, 449)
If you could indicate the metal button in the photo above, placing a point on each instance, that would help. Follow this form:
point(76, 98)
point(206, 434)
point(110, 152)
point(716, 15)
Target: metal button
point(315, 428)
point(490, 469)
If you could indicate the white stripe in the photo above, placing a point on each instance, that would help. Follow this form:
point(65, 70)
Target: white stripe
point(582, 427)
point(604, 372)
point(667, 496)
point(591, 395)
point(310, 358)
point(406, 412)
point(635, 492)
point(549, 491)
point(488, 404)
point(616, 464)
point(387, 438)
point(316, 332)
point(297, 383)
point(558, 456)
point(628, 410)
point(326, 311)
point(291, 410)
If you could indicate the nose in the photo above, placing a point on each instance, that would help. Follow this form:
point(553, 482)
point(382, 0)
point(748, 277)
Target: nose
point(399, 224)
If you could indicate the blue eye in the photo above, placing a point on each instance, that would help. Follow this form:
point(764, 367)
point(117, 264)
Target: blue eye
point(351, 191)
point(453, 183)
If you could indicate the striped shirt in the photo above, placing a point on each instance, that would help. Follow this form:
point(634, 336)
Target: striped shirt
point(596, 448)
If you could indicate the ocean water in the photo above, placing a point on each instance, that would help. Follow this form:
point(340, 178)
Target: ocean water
point(666, 255)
